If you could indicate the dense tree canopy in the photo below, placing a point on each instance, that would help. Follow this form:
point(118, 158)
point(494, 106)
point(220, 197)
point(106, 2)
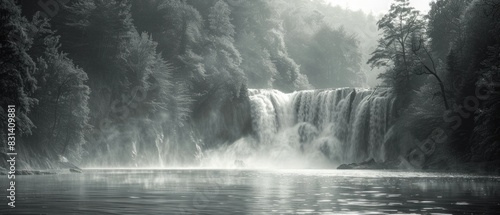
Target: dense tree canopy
point(456, 45)
point(119, 81)
point(16, 65)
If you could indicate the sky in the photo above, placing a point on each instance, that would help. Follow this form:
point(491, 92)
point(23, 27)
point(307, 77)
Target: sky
point(378, 6)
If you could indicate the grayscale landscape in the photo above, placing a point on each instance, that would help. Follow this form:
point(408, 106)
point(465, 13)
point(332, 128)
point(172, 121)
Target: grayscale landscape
point(250, 106)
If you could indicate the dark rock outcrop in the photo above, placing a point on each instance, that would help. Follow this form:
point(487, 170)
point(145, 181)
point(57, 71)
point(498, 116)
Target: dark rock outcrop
point(75, 170)
point(370, 164)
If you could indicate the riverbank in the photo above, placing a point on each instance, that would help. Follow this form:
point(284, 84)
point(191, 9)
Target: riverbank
point(481, 168)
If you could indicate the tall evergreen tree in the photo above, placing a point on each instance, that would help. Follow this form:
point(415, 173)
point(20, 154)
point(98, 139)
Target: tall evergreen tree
point(444, 26)
point(223, 59)
point(16, 66)
point(394, 50)
point(61, 115)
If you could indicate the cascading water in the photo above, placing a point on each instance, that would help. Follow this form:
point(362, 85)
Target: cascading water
point(313, 128)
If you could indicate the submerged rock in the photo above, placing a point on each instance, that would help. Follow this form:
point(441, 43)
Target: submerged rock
point(370, 164)
point(75, 170)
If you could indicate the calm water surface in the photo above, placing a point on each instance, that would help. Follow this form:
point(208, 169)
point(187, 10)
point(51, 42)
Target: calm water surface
point(190, 191)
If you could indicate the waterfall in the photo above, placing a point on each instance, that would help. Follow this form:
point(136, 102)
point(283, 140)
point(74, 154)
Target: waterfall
point(306, 128)
point(303, 129)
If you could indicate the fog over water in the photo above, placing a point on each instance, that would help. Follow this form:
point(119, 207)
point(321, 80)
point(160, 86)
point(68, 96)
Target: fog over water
point(250, 106)
point(191, 191)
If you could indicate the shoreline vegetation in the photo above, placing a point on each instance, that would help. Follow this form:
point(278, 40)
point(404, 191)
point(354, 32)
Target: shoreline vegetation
point(136, 83)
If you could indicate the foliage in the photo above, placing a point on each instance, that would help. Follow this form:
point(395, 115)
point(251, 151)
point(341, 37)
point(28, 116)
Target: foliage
point(480, 81)
point(258, 24)
point(16, 66)
point(130, 82)
point(398, 26)
point(325, 45)
point(333, 59)
point(62, 113)
point(444, 25)
point(460, 49)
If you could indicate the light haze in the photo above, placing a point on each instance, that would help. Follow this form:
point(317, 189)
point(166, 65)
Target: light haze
point(377, 6)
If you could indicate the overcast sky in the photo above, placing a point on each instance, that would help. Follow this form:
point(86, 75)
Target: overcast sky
point(378, 6)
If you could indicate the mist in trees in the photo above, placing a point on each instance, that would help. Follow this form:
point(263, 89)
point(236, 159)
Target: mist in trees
point(116, 82)
point(110, 82)
point(443, 67)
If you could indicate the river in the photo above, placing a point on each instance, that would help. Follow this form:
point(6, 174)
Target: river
point(241, 191)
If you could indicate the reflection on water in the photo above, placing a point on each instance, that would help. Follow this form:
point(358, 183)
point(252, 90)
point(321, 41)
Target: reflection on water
point(255, 192)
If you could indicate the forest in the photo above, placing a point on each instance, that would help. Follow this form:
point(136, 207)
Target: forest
point(139, 83)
